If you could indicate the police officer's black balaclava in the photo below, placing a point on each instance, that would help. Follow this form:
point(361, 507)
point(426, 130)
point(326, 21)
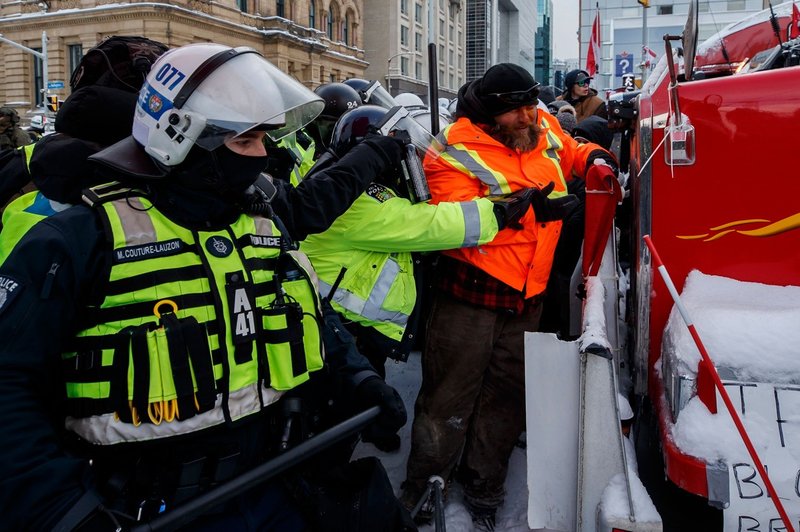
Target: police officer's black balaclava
point(208, 186)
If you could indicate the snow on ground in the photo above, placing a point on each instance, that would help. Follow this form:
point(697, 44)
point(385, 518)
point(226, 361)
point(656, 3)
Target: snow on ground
point(512, 517)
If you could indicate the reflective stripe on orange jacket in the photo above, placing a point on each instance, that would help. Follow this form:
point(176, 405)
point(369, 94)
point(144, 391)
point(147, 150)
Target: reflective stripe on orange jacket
point(473, 164)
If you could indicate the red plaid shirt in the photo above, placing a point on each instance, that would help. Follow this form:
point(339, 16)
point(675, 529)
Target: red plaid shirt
point(467, 283)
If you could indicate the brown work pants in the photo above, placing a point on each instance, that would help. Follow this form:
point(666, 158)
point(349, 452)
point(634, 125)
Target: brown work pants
point(472, 397)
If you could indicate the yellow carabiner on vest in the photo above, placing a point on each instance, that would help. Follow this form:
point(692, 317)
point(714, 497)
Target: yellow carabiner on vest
point(167, 302)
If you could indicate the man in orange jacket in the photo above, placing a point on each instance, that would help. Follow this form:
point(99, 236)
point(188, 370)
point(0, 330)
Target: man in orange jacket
point(473, 389)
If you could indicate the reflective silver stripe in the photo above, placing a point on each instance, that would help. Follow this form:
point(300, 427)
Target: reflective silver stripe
point(472, 223)
point(475, 168)
point(263, 226)
point(553, 145)
point(371, 309)
point(106, 429)
point(135, 221)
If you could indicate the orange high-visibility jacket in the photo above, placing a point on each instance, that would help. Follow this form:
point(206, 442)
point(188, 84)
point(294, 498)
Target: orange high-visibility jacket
point(473, 164)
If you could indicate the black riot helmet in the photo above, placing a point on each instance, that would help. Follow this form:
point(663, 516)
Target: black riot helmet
point(372, 92)
point(353, 126)
point(408, 180)
point(339, 98)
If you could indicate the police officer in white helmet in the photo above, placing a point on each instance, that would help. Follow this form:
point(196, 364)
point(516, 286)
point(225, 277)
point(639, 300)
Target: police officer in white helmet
point(150, 335)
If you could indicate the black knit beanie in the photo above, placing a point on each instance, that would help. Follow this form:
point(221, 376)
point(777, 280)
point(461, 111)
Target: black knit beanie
point(475, 99)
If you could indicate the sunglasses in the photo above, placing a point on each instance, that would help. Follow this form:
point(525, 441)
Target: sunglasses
point(518, 97)
point(583, 83)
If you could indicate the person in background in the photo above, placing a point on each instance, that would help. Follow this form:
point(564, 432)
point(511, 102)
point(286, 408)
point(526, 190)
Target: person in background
point(581, 96)
point(594, 129)
point(472, 395)
point(564, 113)
point(36, 128)
point(151, 333)
point(11, 135)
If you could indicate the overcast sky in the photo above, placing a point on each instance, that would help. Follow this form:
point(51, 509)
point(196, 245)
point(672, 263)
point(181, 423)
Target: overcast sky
point(565, 27)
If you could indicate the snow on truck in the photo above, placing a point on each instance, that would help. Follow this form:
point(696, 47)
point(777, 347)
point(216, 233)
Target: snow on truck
point(713, 181)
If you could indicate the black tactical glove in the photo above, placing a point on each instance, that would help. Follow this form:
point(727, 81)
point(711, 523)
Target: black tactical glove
point(548, 210)
point(391, 149)
point(604, 156)
point(375, 392)
point(509, 208)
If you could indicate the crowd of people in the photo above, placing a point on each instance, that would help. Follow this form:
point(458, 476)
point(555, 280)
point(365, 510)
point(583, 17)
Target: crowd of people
point(174, 316)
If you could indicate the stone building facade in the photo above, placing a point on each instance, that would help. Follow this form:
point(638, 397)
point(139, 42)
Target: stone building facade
point(315, 41)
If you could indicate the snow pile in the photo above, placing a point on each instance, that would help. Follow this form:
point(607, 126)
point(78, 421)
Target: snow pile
point(594, 319)
point(749, 328)
point(711, 437)
point(614, 502)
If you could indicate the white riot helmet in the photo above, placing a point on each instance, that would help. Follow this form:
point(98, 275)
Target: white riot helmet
point(409, 100)
point(204, 94)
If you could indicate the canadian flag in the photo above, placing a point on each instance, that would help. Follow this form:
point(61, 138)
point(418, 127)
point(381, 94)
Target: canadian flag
point(593, 55)
point(794, 31)
point(649, 55)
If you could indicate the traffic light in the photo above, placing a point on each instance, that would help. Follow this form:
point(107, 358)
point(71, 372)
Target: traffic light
point(645, 3)
point(52, 103)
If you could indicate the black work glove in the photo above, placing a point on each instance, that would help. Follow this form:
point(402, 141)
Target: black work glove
point(375, 392)
point(604, 156)
point(510, 208)
point(391, 149)
point(548, 210)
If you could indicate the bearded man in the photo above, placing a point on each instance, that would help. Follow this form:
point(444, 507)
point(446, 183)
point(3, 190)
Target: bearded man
point(473, 389)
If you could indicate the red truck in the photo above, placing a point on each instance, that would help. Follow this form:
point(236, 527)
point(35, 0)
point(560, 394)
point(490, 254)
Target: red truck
point(715, 179)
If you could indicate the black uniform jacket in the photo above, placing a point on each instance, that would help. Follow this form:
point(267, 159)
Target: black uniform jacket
point(58, 268)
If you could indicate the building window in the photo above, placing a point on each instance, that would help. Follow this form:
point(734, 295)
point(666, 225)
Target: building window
point(418, 42)
point(330, 23)
point(452, 31)
point(452, 81)
point(404, 35)
point(665, 10)
point(441, 28)
point(332, 77)
point(417, 70)
point(38, 80)
point(441, 53)
point(736, 5)
point(346, 29)
point(280, 8)
point(418, 13)
point(702, 7)
point(312, 14)
point(242, 5)
point(404, 7)
point(404, 66)
point(75, 52)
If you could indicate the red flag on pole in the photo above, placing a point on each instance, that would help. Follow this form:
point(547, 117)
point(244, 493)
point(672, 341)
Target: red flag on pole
point(593, 55)
point(794, 31)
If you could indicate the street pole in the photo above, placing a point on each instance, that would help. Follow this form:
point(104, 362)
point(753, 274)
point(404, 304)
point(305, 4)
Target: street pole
point(389, 68)
point(41, 55)
point(44, 69)
point(644, 43)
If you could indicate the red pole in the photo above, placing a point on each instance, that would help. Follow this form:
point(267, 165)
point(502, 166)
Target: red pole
point(718, 383)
